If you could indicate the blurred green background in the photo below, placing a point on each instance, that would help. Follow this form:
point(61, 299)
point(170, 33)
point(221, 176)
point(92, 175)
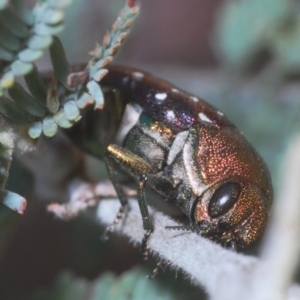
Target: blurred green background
point(242, 56)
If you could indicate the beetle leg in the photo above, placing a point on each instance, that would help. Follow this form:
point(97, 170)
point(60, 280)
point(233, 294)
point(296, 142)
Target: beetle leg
point(233, 245)
point(147, 223)
point(123, 199)
point(161, 264)
point(140, 169)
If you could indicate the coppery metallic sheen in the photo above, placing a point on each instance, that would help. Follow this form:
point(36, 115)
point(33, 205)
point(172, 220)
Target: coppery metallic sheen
point(184, 149)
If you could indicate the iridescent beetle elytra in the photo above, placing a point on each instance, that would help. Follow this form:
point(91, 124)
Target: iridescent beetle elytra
point(182, 148)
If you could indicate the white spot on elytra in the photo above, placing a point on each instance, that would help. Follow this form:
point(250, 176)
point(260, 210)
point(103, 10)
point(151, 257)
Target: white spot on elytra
point(175, 91)
point(220, 113)
point(195, 99)
point(170, 115)
point(138, 75)
point(161, 96)
point(203, 117)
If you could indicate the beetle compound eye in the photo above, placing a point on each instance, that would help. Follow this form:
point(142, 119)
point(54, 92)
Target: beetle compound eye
point(223, 199)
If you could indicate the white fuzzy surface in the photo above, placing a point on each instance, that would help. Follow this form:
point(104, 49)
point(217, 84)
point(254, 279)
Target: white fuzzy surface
point(223, 273)
point(7, 138)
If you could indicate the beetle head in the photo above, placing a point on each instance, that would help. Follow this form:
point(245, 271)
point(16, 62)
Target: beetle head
point(232, 184)
point(232, 212)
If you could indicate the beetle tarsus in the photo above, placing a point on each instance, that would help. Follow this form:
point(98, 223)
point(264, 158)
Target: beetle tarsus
point(109, 229)
point(160, 265)
point(120, 214)
point(145, 245)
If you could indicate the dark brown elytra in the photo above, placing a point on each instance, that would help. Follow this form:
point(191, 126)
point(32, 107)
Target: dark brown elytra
point(184, 149)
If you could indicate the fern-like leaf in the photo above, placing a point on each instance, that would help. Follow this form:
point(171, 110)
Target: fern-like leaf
point(80, 89)
point(25, 34)
point(44, 107)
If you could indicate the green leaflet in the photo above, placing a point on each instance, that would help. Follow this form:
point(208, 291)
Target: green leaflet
point(96, 92)
point(18, 67)
point(35, 130)
point(36, 42)
point(48, 30)
point(26, 101)
point(36, 86)
point(53, 16)
point(83, 100)
point(23, 12)
point(62, 120)
point(6, 54)
point(30, 55)
point(49, 127)
point(7, 80)
point(14, 112)
point(13, 201)
point(13, 24)
point(8, 40)
point(131, 285)
point(20, 26)
point(59, 61)
point(71, 110)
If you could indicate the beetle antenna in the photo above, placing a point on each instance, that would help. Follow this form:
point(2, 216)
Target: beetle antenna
point(182, 227)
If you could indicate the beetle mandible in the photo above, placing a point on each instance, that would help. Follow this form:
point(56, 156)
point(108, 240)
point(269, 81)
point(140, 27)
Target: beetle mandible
point(184, 149)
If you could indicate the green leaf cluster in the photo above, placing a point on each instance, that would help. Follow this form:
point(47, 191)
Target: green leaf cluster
point(132, 285)
point(45, 105)
point(24, 34)
point(246, 28)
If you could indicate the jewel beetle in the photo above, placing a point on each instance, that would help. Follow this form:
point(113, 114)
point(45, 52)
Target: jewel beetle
point(182, 148)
